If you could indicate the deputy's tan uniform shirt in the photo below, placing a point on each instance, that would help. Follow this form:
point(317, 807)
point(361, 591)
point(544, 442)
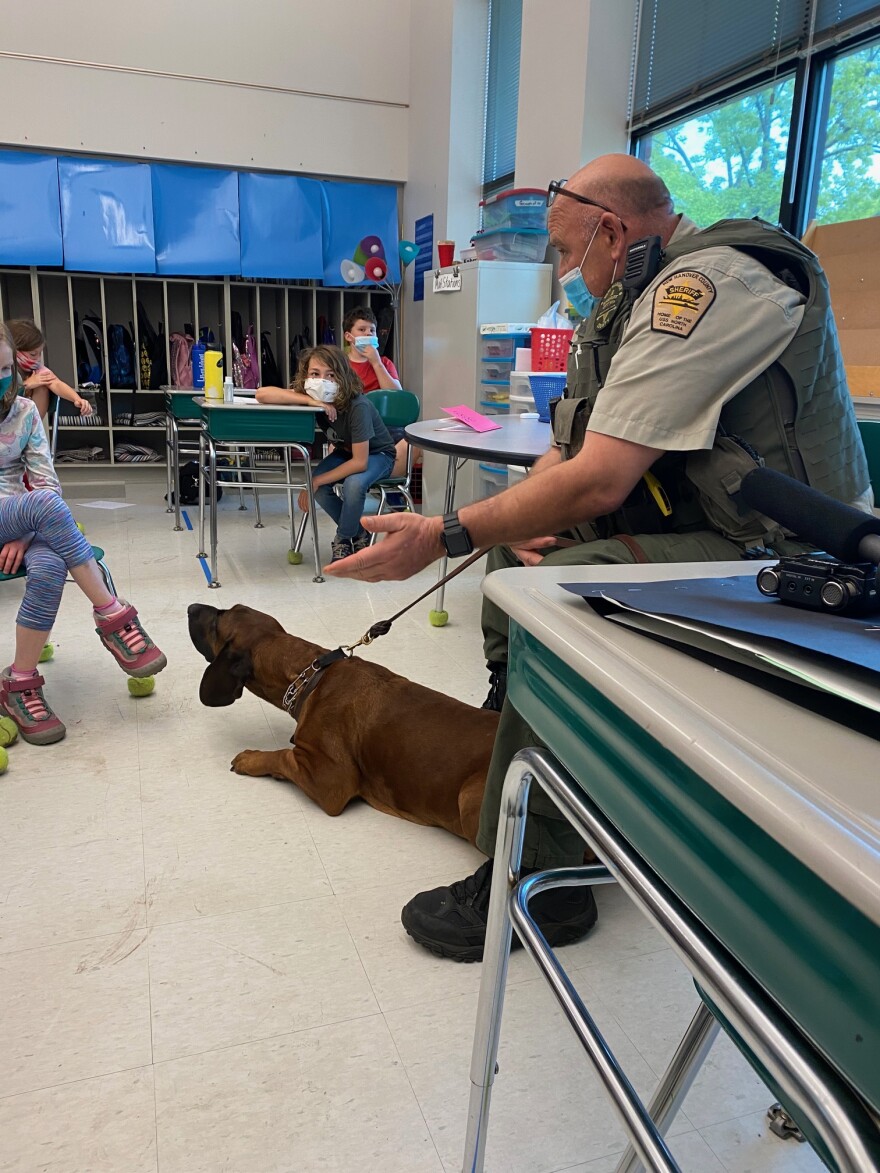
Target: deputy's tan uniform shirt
point(701, 332)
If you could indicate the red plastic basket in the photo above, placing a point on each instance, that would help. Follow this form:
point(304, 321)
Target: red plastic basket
point(550, 348)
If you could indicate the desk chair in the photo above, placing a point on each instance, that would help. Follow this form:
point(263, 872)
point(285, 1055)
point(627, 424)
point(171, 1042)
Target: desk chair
point(97, 554)
point(397, 409)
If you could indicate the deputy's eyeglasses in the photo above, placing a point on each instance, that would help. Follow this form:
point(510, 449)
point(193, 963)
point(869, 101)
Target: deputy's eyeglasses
point(557, 188)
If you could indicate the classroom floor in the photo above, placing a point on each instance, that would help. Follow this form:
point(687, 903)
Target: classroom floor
point(200, 972)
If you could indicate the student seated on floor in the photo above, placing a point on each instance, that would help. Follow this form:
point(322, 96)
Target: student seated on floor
point(363, 451)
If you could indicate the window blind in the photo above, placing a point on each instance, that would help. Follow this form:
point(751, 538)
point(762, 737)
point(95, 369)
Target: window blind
point(688, 51)
point(502, 90)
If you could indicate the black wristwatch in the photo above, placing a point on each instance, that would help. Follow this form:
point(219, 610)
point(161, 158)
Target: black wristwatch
point(455, 538)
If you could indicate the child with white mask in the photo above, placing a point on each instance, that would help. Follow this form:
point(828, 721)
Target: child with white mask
point(363, 451)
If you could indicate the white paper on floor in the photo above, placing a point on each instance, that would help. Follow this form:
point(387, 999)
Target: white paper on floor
point(104, 505)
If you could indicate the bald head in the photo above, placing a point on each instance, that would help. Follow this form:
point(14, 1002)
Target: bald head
point(627, 185)
point(595, 240)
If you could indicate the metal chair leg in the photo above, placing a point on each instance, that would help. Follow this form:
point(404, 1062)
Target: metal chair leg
point(212, 486)
point(690, 1054)
point(169, 489)
point(202, 458)
point(258, 524)
point(106, 575)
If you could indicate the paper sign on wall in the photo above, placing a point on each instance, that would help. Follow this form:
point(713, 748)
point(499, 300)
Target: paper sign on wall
point(473, 419)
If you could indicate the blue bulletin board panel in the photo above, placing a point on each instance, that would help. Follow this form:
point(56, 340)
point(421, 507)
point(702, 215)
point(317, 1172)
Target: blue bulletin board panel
point(281, 226)
point(107, 216)
point(196, 217)
point(351, 212)
point(424, 238)
point(30, 210)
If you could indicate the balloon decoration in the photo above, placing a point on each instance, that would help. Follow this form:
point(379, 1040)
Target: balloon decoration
point(369, 264)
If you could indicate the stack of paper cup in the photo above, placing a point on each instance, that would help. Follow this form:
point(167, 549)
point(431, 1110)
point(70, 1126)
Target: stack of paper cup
point(523, 358)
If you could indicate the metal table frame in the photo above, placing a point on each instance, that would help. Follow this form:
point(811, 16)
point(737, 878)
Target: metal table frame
point(468, 445)
point(208, 481)
point(811, 1088)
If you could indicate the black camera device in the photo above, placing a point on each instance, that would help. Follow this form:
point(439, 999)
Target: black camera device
point(821, 583)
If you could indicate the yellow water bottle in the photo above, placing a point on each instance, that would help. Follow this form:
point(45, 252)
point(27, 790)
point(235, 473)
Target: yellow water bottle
point(214, 374)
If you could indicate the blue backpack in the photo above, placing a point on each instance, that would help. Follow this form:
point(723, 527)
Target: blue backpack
point(120, 345)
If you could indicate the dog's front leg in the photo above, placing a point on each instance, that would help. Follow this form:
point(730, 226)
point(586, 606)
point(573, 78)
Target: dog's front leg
point(330, 787)
point(258, 763)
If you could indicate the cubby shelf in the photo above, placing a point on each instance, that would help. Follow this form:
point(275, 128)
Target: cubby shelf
point(54, 299)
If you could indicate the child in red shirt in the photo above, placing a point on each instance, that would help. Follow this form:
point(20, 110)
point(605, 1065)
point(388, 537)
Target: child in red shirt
point(375, 372)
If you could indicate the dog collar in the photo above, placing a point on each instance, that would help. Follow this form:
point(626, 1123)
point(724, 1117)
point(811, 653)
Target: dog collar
point(307, 681)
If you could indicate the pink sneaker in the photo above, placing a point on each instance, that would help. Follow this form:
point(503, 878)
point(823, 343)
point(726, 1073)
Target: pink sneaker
point(23, 701)
point(124, 637)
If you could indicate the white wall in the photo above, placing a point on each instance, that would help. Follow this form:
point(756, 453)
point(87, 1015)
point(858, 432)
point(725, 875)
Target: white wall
point(445, 138)
point(573, 85)
point(320, 86)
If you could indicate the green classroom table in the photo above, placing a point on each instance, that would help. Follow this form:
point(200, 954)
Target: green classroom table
point(253, 425)
point(747, 828)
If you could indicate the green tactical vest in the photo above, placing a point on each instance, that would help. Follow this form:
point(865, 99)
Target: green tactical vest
point(797, 416)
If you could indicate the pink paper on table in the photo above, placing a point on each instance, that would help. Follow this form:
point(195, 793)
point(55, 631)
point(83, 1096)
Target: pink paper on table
point(473, 419)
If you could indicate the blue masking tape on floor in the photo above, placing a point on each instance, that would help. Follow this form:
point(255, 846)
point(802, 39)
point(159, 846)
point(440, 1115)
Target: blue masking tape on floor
point(30, 210)
point(196, 216)
point(281, 227)
point(107, 216)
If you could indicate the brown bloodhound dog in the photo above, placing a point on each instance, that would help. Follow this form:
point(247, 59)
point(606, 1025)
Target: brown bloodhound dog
point(364, 732)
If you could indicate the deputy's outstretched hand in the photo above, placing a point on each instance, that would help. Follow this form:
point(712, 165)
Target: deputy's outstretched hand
point(411, 544)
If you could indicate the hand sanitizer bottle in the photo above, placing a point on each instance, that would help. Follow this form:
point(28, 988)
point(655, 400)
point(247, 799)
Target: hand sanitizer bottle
point(228, 389)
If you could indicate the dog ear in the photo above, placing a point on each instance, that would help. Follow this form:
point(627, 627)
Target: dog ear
point(224, 679)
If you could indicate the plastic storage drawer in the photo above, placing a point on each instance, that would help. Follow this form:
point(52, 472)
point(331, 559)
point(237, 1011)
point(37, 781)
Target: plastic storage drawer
point(503, 345)
point(497, 392)
point(492, 479)
point(497, 369)
point(510, 244)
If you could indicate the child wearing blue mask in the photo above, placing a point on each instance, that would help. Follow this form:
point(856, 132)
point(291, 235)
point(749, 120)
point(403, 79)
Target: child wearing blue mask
point(375, 372)
point(363, 450)
point(37, 531)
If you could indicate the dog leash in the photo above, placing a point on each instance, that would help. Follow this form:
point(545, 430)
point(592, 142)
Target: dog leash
point(307, 681)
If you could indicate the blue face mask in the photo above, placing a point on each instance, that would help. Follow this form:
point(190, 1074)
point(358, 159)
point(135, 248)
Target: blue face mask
point(5, 384)
point(575, 287)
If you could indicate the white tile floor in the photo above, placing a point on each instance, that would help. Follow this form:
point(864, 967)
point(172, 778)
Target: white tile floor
point(204, 972)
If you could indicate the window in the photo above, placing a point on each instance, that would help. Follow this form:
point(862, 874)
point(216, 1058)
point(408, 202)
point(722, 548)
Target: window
point(848, 154)
point(728, 160)
point(502, 94)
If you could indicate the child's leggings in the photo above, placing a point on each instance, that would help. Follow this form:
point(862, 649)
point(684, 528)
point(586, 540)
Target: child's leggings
point(57, 546)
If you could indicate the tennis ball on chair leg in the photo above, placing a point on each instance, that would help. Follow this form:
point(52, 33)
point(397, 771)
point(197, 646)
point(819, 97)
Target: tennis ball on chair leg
point(47, 653)
point(81, 527)
point(4, 761)
point(141, 685)
point(8, 731)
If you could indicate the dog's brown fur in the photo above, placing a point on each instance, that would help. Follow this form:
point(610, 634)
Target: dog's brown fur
point(363, 733)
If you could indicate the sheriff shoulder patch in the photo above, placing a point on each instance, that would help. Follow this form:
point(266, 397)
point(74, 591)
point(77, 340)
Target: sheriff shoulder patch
point(680, 301)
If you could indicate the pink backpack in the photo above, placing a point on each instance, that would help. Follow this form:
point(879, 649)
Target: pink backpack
point(246, 363)
point(181, 360)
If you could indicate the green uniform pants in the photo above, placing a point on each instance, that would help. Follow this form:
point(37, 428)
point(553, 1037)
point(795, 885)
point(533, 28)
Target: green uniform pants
point(550, 841)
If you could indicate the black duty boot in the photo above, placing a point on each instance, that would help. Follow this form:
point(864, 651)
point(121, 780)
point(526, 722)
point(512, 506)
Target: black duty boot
point(451, 922)
point(497, 686)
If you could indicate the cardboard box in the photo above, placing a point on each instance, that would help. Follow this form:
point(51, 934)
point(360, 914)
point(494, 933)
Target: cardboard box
point(850, 256)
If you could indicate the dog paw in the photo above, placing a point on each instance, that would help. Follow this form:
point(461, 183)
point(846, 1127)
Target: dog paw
point(250, 762)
